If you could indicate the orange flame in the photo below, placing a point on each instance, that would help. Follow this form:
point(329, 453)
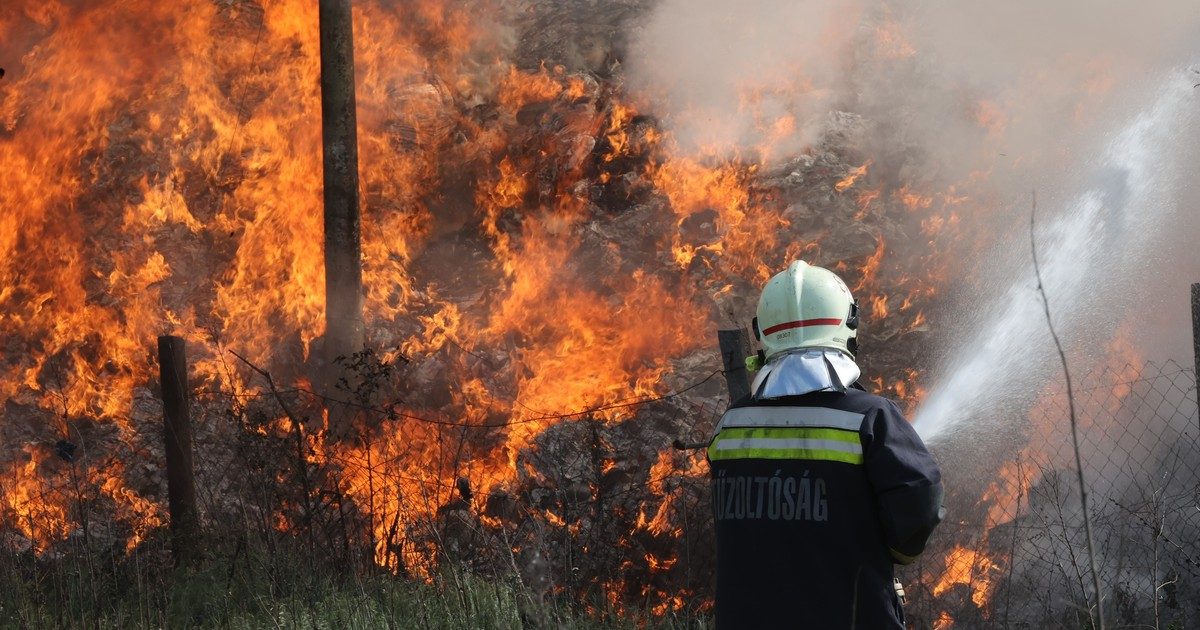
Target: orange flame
point(180, 192)
point(967, 567)
point(846, 182)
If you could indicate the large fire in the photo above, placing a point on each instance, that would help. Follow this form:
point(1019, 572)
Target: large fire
point(537, 250)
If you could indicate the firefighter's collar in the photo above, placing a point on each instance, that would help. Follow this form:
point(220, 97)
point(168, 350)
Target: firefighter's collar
point(803, 371)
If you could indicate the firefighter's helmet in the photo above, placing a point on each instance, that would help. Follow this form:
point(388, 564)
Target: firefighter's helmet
point(806, 307)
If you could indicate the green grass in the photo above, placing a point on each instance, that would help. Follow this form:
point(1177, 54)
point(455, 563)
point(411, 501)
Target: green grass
point(280, 590)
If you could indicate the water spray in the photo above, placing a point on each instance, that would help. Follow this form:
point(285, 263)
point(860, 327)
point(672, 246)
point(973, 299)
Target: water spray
point(1121, 207)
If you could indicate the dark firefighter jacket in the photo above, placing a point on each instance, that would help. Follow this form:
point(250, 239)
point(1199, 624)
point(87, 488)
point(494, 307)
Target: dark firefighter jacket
point(815, 497)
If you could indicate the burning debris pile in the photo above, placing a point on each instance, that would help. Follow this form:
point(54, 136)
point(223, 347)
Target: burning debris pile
point(534, 249)
point(545, 271)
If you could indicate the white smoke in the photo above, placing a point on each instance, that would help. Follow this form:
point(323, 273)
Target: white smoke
point(1006, 96)
point(735, 76)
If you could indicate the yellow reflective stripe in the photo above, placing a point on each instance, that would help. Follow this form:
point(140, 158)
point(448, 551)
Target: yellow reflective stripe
point(802, 443)
point(819, 454)
point(838, 435)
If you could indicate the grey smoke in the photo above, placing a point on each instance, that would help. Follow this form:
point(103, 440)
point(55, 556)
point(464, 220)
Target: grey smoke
point(723, 72)
point(1006, 96)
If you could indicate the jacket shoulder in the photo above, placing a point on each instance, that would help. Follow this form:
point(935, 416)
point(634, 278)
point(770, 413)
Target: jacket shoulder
point(851, 400)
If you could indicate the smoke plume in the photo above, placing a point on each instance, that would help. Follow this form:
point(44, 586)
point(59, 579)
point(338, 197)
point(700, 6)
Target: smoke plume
point(988, 99)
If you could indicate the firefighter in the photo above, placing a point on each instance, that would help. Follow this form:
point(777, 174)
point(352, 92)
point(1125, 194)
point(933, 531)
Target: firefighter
point(818, 487)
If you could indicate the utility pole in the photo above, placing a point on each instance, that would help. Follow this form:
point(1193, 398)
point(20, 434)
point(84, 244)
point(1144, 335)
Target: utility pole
point(343, 251)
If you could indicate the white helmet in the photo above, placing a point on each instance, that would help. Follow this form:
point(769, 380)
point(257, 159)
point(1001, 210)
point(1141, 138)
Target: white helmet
point(806, 307)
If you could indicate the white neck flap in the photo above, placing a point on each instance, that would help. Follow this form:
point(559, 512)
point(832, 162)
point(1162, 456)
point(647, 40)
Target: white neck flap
point(803, 371)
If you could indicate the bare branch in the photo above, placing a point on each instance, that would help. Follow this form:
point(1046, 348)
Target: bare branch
point(298, 433)
point(1087, 519)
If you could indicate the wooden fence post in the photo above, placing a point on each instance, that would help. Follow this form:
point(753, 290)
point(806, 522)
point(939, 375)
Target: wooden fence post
point(1196, 335)
point(735, 347)
point(177, 433)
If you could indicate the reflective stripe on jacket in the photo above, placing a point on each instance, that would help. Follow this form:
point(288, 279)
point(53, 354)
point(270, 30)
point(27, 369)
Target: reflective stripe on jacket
point(814, 497)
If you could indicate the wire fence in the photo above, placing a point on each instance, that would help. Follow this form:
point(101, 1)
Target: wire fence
point(1012, 552)
point(599, 506)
